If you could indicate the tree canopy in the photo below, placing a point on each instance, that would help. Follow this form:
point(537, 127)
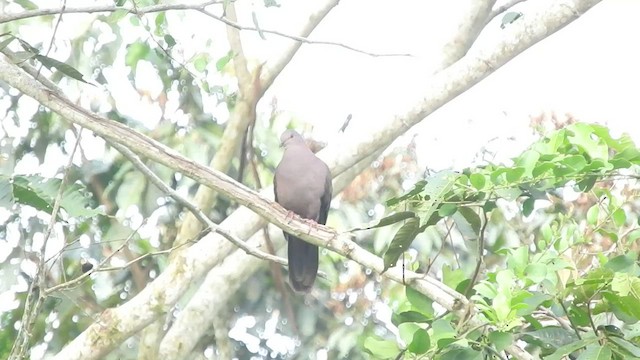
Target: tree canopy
point(137, 218)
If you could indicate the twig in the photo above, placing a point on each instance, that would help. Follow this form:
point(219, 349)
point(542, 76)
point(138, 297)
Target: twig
point(194, 210)
point(32, 306)
point(201, 7)
point(107, 8)
point(476, 272)
point(295, 37)
point(72, 283)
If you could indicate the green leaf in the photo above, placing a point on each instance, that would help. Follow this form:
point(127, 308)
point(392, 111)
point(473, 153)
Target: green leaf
point(528, 161)
point(626, 346)
point(27, 4)
point(488, 206)
point(452, 277)
point(587, 183)
point(409, 316)
point(421, 342)
point(417, 189)
point(136, 52)
point(381, 349)
point(518, 259)
point(4, 43)
point(619, 217)
point(161, 19)
point(550, 338)
point(620, 263)
point(460, 353)
point(498, 176)
point(447, 210)
point(592, 214)
point(200, 62)
point(509, 17)
point(442, 329)
point(67, 70)
point(419, 301)
point(406, 331)
point(509, 194)
point(596, 352)
point(542, 168)
point(478, 181)
point(434, 192)
point(116, 16)
point(223, 61)
point(570, 348)
point(401, 242)
point(468, 222)
point(386, 221)
point(575, 162)
point(581, 135)
point(515, 174)
point(536, 272)
point(25, 45)
point(41, 193)
point(171, 42)
point(6, 192)
point(528, 206)
point(501, 340)
point(625, 284)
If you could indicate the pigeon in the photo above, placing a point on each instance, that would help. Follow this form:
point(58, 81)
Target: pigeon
point(302, 185)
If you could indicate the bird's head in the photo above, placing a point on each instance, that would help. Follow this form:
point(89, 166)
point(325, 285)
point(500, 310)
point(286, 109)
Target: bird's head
point(290, 137)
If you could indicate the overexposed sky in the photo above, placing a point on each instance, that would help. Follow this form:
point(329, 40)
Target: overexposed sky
point(588, 69)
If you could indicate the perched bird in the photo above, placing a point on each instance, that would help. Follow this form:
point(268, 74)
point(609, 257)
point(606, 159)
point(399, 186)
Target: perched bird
point(302, 185)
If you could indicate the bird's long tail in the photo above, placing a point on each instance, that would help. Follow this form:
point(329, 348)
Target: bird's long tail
point(303, 263)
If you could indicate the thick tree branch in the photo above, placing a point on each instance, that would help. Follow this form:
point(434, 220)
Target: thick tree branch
point(117, 324)
point(470, 24)
point(461, 76)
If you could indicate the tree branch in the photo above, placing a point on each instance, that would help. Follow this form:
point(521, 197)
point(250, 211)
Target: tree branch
point(4, 18)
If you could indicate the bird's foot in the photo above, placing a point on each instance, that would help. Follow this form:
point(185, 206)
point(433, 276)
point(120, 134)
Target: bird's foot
point(312, 225)
point(290, 216)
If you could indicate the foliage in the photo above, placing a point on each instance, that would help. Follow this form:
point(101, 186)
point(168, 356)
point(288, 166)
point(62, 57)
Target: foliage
point(566, 283)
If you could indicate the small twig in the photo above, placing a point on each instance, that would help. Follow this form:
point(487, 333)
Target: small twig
point(295, 37)
point(108, 8)
point(201, 7)
point(449, 227)
point(72, 283)
point(476, 272)
point(32, 306)
point(194, 210)
point(55, 31)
